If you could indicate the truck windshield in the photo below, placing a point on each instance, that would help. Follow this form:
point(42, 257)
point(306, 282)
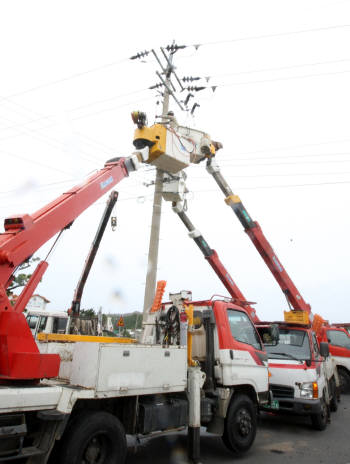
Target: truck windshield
point(338, 338)
point(292, 344)
point(242, 328)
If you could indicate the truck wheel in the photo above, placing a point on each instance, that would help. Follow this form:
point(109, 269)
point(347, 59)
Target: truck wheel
point(344, 380)
point(319, 421)
point(240, 425)
point(93, 438)
point(334, 400)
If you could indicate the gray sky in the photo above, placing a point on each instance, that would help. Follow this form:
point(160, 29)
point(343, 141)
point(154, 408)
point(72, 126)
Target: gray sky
point(281, 110)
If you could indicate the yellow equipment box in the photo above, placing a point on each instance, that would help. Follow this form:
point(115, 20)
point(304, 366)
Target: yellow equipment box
point(297, 317)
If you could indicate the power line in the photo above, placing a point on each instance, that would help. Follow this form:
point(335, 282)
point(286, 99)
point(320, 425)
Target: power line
point(57, 143)
point(111, 109)
point(77, 108)
point(294, 174)
point(287, 78)
point(288, 163)
point(291, 147)
point(37, 187)
point(280, 68)
point(34, 162)
point(225, 160)
point(64, 79)
point(277, 186)
point(268, 36)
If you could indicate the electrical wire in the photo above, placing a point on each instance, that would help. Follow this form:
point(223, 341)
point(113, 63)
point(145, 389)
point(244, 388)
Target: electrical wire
point(316, 184)
point(111, 109)
point(261, 158)
point(268, 36)
point(286, 164)
point(262, 187)
point(292, 147)
point(67, 78)
point(96, 102)
point(14, 155)
point(287, 78)
point(35, 133)
point(295, 174)
point(280, 68)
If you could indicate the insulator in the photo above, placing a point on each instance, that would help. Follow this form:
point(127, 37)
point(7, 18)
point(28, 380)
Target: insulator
point(194, 107)
point(139, 55)
point(195, 89)
point(190, 79)
point(188, 98)
point(174, 47)
point(156, 86)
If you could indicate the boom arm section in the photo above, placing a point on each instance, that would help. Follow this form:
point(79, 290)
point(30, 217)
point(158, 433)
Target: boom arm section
point(255, 233)
point(75, 308)
point(213, 259)
point(20, 358)
point(26, 234)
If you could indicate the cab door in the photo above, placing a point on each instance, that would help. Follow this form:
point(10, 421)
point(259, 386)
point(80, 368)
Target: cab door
point(241, 353)
point(339, 343)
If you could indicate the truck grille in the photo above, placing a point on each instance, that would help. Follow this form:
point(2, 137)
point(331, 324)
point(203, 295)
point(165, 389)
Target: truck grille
point(281, 391)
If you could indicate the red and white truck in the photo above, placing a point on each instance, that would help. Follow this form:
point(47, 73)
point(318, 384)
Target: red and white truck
point(174, 189)
point(302, 378)
point(310, 366)
point(76, 401)
point(338, 339)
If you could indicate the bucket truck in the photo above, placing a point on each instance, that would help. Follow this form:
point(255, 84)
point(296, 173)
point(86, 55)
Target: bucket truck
point(304, 382)
point(76, 403)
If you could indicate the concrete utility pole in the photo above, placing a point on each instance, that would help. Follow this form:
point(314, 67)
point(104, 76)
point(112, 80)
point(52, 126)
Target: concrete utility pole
point(151, 277)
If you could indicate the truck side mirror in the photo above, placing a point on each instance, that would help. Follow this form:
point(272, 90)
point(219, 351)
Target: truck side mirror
point(324, 349)
point(274, 333)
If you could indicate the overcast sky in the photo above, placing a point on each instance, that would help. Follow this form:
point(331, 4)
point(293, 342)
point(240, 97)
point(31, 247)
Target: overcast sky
point(281, 110)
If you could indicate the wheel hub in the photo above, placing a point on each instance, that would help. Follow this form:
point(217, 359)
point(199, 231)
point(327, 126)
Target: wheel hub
point(244, 423)
point(94, 451)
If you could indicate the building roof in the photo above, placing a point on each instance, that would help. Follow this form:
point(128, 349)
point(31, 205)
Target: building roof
point(42, 297)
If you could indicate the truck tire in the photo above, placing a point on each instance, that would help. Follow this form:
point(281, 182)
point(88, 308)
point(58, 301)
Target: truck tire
point(333, 405)
point(94, 437)
point(344, 380)
point(319, 421)
point(240, 425)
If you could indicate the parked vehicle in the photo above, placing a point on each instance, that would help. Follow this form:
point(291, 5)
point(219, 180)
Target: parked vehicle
point(300, 382)
point(95, 392)
point(44, 321)
point(339, 347)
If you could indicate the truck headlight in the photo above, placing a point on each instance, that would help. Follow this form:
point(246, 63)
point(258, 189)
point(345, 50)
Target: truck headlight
point(309, 390)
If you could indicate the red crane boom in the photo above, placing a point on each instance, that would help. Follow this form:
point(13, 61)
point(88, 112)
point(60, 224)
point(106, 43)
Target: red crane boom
point(19, 355)
point(253, 229)
point(213, 259)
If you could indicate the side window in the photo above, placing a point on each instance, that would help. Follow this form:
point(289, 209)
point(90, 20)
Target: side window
point(42, 323)
point(242, 328)
point(62, 323)
point(59, 325)
point(338, 338)
point(315, 344)
point(32, 320)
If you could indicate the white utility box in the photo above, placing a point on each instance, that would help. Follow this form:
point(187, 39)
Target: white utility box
point(129, 369)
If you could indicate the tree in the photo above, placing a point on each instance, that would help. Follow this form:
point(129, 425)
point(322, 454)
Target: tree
point(21, 279)
point(87, 313)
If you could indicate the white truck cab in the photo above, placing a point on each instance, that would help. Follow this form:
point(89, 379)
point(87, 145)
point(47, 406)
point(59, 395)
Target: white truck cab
point(302, 381)
point(47, 321)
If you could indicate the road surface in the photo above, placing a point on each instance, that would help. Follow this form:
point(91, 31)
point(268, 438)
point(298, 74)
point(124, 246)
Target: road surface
point(280, 440)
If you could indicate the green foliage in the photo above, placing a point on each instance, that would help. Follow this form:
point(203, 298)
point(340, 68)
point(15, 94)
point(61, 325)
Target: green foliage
point(21, 279)
point(88, 313)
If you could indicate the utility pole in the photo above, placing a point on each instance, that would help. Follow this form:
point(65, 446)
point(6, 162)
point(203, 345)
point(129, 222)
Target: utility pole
point(168, 90)
point(151, 276)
